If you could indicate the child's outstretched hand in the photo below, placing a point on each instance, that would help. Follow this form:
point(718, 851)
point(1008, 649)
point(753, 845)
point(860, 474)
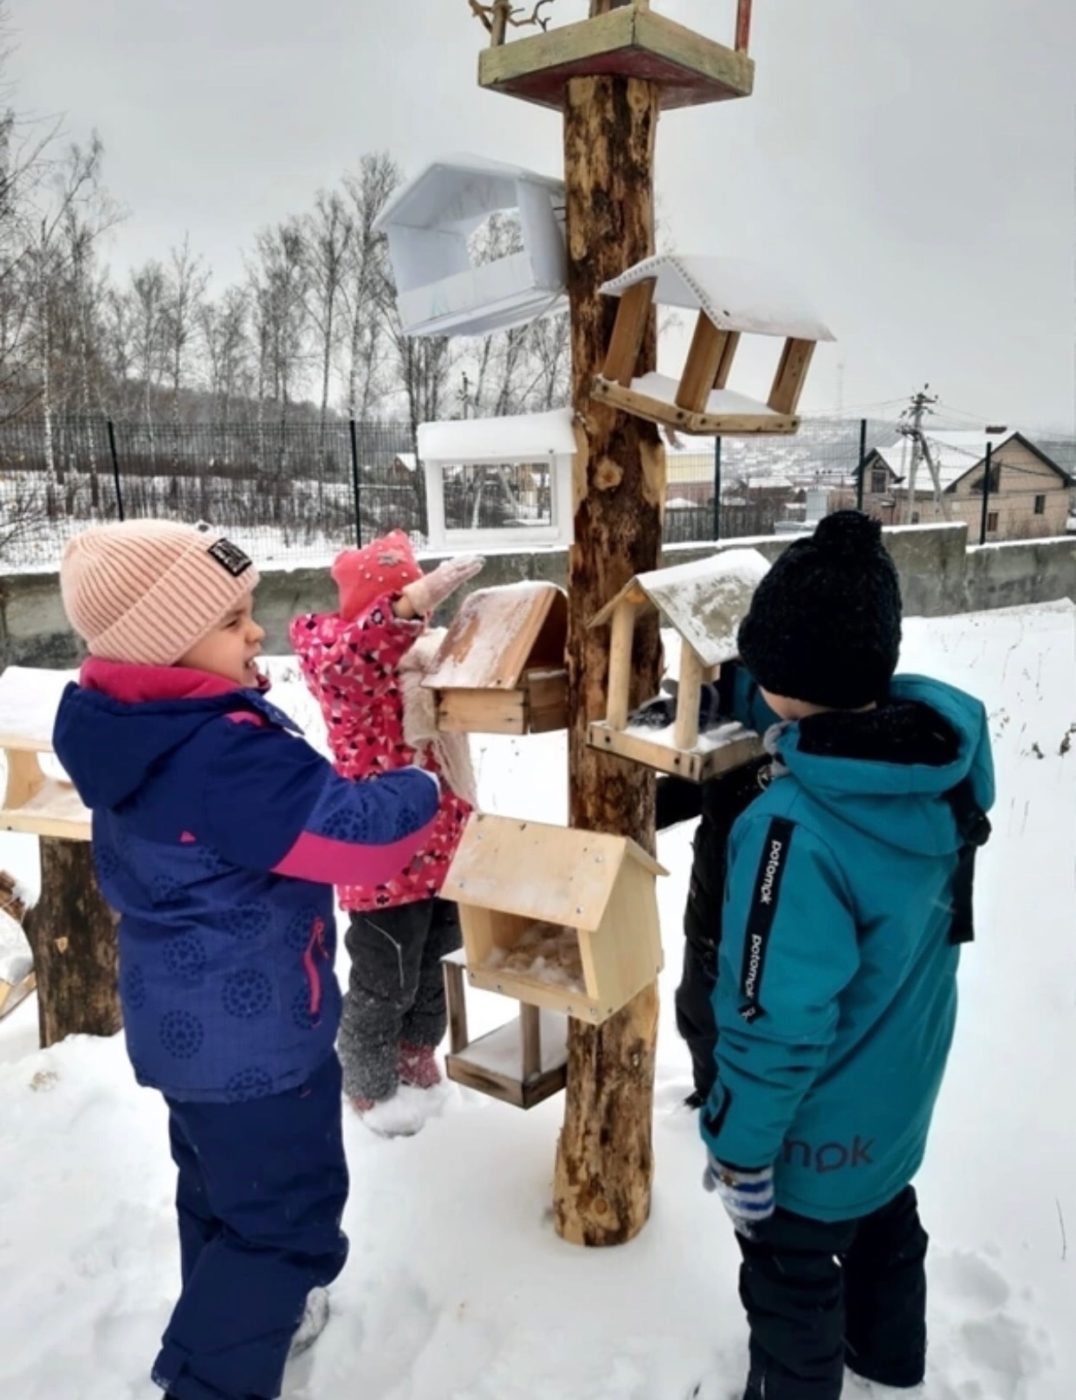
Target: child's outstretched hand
point(426, 594)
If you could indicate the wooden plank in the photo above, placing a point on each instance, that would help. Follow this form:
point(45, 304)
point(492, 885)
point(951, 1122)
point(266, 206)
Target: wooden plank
point(704, 424)
point(13, 994)
point(25, 777)
point(743, 25)
point(728, 353)
point(530, 1034)
point(546, 701)
point(472, 1069)
point(55, 809)
point(486, 929)
point(700, 368)
point(686, 731)
point(631, 41)
point(695, 765)
point(484, 1081)
point(456, 1001)
point(791, 374)
point(535, 992)
point(531, 870)
point(482, 711)
point(622, 633)
point(624, 955)
point(630, 593)
point(632, 315)
point(530, 624)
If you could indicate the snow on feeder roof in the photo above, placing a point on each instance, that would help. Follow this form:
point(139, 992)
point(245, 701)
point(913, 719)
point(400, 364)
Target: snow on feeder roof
point(527, 437)
point(732, 298)
point(488, 459)
point(704, 601)
point(441, 288)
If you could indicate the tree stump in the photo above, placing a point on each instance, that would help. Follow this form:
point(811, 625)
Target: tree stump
point(72, 933)
point(604, 1156)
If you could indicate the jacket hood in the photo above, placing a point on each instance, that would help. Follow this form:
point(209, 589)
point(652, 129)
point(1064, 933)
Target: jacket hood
point(883, 772)
point(120, 720)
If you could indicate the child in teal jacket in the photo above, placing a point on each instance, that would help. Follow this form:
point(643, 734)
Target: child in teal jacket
point(847, 897)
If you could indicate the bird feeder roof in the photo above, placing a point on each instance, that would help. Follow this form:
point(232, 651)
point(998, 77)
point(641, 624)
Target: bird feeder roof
point(497, 634)
point(527, 437)
point(736, 295)
point(704, 601)
point(458, 192)
point(549, 873)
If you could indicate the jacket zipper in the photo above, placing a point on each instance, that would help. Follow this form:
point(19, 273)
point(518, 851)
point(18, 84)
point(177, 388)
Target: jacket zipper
point(313, 976)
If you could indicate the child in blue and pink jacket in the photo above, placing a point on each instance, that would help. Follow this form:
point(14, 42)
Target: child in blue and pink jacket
point(218, 835)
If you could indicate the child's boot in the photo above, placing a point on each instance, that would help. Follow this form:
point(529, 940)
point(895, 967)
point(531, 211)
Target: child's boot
point(388, 1118)
point(417, 1065)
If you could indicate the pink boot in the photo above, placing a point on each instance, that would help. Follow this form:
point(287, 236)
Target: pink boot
point(417, 1066)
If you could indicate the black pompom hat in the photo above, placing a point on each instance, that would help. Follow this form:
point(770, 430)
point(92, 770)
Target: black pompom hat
point(824, 624)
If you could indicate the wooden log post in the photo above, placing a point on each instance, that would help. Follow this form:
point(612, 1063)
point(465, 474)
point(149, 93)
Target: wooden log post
point(605, 1156)
point(71, 931)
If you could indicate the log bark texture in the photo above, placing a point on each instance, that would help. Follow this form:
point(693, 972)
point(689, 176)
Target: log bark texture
point(604, 1156)
point(72, 933)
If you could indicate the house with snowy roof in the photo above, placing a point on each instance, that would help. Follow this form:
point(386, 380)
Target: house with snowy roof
point(1029, 492)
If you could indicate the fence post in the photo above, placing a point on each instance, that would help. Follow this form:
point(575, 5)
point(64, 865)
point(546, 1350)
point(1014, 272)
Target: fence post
point(862, 462)
point(115, 468)
point(355, 488)
point(717, 489)
point(986, 493)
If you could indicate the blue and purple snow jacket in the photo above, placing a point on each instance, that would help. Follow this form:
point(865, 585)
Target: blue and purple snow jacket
point(218, 835)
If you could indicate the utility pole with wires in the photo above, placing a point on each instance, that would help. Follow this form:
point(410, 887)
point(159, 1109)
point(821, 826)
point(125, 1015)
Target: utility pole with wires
point(911, 427)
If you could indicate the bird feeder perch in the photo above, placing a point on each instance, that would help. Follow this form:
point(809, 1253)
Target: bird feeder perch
point(623, 41)
point(732, 298)
point(516, 469)
point(501, 667)
point(704, 602)
point(523, 1062)
point(441, 288)
point(558, 919)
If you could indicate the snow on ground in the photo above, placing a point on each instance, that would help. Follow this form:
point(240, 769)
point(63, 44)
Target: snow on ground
point(459, 1289)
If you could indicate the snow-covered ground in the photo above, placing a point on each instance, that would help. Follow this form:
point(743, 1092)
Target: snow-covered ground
point(459, 1289)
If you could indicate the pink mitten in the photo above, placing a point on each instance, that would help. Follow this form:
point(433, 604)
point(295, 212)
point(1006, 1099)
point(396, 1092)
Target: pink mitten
point(429, 592)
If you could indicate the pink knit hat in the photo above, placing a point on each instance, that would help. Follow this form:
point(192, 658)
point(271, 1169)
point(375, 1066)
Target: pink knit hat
point(146, 591)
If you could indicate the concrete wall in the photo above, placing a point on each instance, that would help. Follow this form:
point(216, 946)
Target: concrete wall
point(939, 575)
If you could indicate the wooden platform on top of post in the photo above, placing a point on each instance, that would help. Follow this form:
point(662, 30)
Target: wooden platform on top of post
point(624, 40)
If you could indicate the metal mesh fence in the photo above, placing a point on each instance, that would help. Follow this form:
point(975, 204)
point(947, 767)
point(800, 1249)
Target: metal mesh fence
point(299, 491)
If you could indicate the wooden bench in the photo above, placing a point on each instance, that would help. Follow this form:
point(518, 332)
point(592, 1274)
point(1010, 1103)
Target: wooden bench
point(71, 929)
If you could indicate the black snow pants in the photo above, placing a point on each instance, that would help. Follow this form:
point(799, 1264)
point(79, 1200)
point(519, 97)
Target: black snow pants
point(822, 1295)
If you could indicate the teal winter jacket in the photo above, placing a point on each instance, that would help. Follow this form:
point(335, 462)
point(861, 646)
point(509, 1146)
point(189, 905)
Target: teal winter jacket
point(836, 992)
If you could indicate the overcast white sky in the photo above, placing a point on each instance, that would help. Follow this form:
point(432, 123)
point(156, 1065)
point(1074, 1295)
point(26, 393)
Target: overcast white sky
point(912, 162)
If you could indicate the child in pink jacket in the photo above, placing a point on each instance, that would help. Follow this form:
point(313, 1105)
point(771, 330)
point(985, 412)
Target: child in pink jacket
point(364, 665)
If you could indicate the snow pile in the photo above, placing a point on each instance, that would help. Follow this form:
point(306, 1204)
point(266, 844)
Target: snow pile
point(458, 1287)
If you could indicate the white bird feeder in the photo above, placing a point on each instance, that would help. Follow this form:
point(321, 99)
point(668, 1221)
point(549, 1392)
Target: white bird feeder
point(515, 471)
point(440, 288)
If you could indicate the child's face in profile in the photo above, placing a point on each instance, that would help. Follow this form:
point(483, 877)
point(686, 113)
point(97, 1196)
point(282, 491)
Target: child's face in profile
point(231, 649)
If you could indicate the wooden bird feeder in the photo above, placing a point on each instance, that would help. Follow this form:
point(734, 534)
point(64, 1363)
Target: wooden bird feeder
point(624, 40)
point(732, 298)
point(441, 287)
point(34, 801)
point(500, 668)
point(558, 919)
point(704, 602)
point(517, 470)
point(523, 1062)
